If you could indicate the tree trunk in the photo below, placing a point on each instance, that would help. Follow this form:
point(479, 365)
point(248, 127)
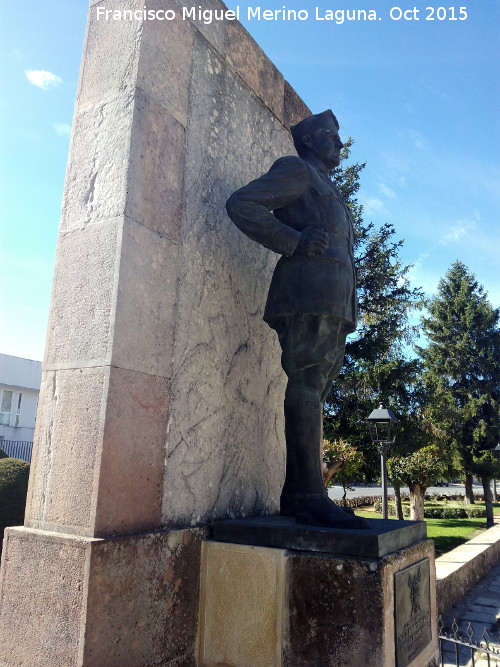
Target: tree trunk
point(417, 495)
point(486, 481)
point(329, 470)
point(469, 493)
point(399, 504)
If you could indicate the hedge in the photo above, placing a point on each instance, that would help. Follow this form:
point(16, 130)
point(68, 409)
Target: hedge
point(434, 511)
point(368, 501)
point(14, 475)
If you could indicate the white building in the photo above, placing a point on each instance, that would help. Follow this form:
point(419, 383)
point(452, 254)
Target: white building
point(20, 381)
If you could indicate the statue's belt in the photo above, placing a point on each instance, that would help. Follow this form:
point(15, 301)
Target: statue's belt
point(337, 245)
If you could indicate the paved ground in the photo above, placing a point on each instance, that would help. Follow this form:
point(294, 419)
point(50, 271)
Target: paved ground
point(336, 492)
point(481, 608)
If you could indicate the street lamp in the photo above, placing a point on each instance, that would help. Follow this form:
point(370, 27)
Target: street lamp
point(383, 430)
point(496, 454)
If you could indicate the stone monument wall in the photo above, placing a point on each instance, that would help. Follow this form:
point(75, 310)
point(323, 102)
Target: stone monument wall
point(161, 403)
point(161, 400)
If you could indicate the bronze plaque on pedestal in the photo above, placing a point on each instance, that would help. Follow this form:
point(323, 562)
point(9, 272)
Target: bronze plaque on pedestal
point(412, 609)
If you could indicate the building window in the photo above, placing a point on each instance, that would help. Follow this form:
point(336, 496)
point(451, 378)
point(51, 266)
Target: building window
point(5, 407)
point(18, 412)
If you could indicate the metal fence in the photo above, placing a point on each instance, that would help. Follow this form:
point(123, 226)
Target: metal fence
point(464, 650)
point(17, 449)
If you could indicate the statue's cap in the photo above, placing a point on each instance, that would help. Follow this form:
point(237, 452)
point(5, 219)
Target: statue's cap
point(310, 125)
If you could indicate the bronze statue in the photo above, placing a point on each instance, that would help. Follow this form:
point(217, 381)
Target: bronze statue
point(311, 302)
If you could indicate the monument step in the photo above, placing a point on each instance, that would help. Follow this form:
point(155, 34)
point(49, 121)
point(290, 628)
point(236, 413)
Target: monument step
point(384, 535)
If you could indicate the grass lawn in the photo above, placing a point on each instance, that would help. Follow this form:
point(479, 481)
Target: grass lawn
point(447, 533)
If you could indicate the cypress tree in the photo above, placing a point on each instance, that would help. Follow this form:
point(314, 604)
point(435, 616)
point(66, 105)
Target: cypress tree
point(461, 374)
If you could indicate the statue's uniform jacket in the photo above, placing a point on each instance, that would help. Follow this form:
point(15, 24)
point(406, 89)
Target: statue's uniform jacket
point(299, 196)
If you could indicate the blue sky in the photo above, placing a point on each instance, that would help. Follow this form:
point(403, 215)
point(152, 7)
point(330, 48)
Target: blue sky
point(420, 98)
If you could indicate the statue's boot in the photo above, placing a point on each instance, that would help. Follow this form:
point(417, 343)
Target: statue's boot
point(304, 496)
point(319, 510)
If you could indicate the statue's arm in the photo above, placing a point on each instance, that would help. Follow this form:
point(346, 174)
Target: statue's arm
point(250, 207)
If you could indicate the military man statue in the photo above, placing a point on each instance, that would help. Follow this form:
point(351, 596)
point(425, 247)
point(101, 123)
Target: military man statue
point(296, 211)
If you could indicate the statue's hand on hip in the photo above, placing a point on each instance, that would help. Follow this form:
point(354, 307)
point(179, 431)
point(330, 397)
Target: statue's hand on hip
point(313, 241)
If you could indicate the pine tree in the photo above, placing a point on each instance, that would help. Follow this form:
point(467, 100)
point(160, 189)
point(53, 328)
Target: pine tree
point(376, 366)
point(462, 369)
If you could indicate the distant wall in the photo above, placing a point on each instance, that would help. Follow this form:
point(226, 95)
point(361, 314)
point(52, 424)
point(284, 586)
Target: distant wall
point(19, 372)
point(21, 379)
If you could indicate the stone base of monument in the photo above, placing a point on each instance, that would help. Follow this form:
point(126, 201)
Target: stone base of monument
point(125, 601)
point(299, 596)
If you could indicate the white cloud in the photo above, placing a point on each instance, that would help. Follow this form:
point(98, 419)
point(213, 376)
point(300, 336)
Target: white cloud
point(374, 206)
point(42, 79)
point(387, 191)
point(457, 231)
point(62, 129)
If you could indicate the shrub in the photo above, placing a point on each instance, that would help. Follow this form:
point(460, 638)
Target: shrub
point(475, 512)
point(3, 455)
point(14, 475)
point(391, 508)
point(437, 511)
point(440, 512)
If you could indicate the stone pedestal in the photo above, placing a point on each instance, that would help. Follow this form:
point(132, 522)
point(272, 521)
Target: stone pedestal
point(113, 602)
point(277, 607)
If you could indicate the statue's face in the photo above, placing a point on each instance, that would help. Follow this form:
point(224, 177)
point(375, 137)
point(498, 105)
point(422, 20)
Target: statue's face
point(325, 144)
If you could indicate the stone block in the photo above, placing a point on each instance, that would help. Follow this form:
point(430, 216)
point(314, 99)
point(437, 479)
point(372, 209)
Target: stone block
point(142, 605)
point(110, 54)
point(130, 487)
point(329, 610)
point(118, 602)
point(80, 329)
point(383, 536)
point(166, 46)
point(487, 602)
point(215, 33)
point(66, 456)
point(155, 168)
point(97, 466)
point(243, 629)
point(254, 67)
point(113, 299)
point(96, 177)
point(42, 580)
point(350, 617)
point(295, 109)
point(144, 319)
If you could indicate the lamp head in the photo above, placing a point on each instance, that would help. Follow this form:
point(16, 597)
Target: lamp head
point(383, 425)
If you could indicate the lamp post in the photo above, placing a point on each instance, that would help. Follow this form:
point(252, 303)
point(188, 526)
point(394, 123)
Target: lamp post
point(383, 430)
point(496, 453)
